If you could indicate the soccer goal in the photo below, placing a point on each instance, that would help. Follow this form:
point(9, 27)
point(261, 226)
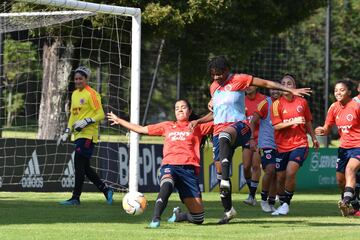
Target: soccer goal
point(42, 42)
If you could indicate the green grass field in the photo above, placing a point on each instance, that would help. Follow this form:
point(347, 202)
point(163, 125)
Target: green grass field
point(38, 216)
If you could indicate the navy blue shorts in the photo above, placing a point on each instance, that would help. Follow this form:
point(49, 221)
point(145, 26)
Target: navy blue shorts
point(84, 147)
point(243, 137)
point(268, 156)
point(297, 155)
point(185, 177)
point(344, 155)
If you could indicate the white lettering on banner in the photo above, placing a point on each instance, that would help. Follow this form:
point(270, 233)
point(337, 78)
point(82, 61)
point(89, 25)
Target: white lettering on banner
point(68, 181)
point(147, 160)
point(31, 177)
point(1, 182)
point(327, 180)
point(319, 161)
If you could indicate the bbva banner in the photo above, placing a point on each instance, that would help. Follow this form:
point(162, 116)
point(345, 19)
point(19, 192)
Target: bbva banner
point(40, 165)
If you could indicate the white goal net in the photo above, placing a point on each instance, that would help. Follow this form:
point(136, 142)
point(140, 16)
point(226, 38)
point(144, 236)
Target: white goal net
point(41, 44)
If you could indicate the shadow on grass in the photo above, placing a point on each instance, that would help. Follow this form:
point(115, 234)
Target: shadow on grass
point(18, 211)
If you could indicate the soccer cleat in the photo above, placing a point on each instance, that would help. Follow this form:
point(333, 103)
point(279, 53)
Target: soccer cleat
point(356, 213)
point(250, 201)
point(109, 196)
point(70, 202)
point(282, 210)
point(173, 217)
point(154, 224)
point(228, 216)
point(265, 206)
point(272, 207)
point(344, 208)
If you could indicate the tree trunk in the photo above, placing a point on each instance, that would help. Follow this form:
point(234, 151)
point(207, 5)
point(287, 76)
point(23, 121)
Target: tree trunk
point(57, 68)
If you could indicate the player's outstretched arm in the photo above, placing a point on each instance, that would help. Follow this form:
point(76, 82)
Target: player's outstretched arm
point(115, 120)
point(274, 85)
point(207, 118)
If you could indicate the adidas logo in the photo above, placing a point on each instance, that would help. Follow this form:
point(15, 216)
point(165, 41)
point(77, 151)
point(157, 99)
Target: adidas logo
point(68, 181)
point(32, 177)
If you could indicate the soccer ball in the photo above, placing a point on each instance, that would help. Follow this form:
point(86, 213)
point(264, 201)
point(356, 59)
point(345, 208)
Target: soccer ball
point(134, 203)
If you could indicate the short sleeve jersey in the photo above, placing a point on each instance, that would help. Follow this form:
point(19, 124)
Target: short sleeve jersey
point(229, 100)
point(347, 119)
point(86, 103)
point(266, 129)
point(250, 107)
point(181, 146)
point(283, 111)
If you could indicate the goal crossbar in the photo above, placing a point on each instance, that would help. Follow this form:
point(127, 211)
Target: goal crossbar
point(135, 14)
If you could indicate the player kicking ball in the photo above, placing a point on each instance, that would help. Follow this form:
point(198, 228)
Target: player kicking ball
point(86, 113)
point(180, 166)
point(345, 114)
point(230, 130)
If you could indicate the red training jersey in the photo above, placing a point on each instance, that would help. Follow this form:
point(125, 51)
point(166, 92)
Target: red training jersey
point(231, 92)
point(251, 107)
point(283, 110)
point(181, 146)
point(347, 119)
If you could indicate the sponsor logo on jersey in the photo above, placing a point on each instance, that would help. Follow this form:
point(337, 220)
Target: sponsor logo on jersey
point(345, 128)
point(31, 177)
point(68, 180)
point(178, 136)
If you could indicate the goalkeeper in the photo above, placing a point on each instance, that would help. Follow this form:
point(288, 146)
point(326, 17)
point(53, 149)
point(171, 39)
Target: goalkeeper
point(86, 113)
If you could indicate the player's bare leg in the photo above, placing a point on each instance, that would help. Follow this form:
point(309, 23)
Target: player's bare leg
point(350, 175)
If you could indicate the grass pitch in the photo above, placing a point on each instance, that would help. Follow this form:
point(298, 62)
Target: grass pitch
point(38, 216)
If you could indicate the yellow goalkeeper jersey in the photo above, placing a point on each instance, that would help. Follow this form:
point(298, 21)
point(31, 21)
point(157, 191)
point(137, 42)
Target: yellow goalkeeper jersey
point(86, 103)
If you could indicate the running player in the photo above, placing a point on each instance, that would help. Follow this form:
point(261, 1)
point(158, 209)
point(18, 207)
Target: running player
point(345, 114)
point(86, 113)
point(251, 159)
point(291, 118)
point(230, 129)
point(181, 162)
point(267, 149)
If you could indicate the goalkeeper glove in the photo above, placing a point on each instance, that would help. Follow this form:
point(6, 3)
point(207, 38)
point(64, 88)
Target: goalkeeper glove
point(79, 125)
point(64, 136)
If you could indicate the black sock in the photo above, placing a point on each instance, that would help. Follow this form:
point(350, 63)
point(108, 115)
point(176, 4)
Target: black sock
point(264, 195)
point(282, 198)
point(271, 200)
point(253, 188)
point(348, 194)
point(225, 155)
point(165, 191)
point(288, 196)
point(248, 182)
point(226, 199)
point(355, 204)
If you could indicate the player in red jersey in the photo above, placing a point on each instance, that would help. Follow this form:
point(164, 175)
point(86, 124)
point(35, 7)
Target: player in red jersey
point(181, 162)
point(345, 114)
point(251, 159)
point(291, 118)
point(266, 147)
point(230, 129)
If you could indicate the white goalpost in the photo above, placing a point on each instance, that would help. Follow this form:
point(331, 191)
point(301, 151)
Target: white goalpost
point(83, 9)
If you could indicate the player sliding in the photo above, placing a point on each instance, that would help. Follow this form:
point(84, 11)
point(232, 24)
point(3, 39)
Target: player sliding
point(251, 159)
point(267, 148)
point(230, 129)
point(291, 118)
point(86, 113)
point(181, 162)
point(345, 114)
